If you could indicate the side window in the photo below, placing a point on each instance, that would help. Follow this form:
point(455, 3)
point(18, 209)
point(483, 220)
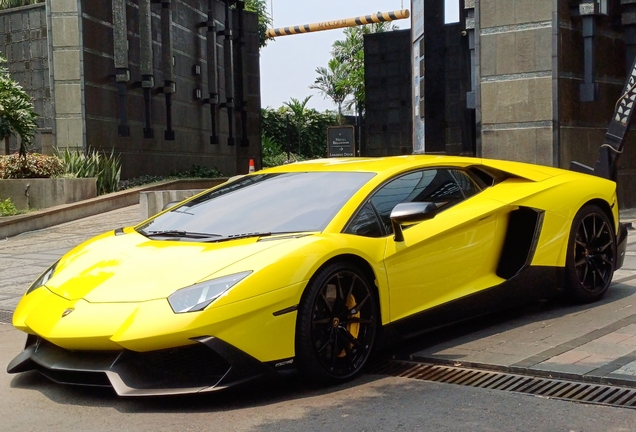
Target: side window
point(466, 183)
point(365, 223)
point(445, 187)
point(442, 189)
point(402, 189)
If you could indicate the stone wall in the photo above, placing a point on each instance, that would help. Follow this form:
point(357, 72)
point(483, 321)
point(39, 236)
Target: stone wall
point(191, 116)
point(583, 124)
point(531, 67)
point(80, 104)
point(516, 110)
point(388, 79)
point(67, 75)
point(23, 41)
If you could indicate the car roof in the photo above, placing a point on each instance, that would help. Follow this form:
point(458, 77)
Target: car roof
point(377, 165)
point(388, 166)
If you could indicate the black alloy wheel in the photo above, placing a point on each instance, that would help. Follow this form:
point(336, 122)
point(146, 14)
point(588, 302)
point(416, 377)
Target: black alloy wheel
point(336, 324)
point(592, 254)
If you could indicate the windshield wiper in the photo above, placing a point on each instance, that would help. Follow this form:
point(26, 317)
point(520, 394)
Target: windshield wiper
point(244, 235)
point(253, 234)
point(180, 234)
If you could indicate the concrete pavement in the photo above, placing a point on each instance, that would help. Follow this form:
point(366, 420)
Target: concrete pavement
point(594, 342)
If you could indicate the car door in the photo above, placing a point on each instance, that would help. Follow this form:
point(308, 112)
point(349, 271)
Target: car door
point(453, 255)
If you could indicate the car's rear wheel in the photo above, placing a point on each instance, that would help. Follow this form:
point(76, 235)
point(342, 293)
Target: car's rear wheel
point(336, 324)
point(591, 255)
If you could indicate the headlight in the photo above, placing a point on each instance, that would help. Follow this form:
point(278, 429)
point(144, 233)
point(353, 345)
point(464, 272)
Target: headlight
point(43, 279)
point(198, 297)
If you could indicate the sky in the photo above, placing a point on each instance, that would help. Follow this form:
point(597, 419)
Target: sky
point(288, 64)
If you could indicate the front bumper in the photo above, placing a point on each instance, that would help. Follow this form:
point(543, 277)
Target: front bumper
point(208, 365)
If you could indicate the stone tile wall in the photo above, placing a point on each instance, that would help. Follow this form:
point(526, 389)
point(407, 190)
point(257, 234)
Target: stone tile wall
point(388, 120)
point(23, 41)
point(517, 108)
point(582, 125)
point(191, 117)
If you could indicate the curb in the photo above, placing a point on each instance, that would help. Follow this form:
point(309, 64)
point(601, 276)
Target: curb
point(13, 225)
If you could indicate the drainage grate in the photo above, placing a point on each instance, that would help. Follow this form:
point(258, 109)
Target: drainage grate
point(551, 388)
point(5, 316)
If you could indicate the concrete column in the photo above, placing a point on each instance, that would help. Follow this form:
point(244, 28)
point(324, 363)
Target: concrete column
point(515, 80)
point(66, 69)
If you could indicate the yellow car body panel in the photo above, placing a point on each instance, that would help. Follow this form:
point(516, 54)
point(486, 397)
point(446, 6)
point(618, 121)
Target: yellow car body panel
point(423, 267)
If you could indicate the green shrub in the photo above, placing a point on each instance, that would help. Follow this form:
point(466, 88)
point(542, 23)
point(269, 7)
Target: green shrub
point(7, 208)
point(270, 146)
point(198, 171)
point(305, 129)
point(106, 167)
point(32, 165)
point(141, 180)
point(110, 173)
point(281, 159)
point(195, 172)
point(8, 4)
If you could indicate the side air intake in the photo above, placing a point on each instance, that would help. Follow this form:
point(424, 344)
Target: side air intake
point(524, 227)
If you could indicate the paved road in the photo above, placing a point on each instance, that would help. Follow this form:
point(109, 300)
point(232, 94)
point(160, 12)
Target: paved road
point(30, 402)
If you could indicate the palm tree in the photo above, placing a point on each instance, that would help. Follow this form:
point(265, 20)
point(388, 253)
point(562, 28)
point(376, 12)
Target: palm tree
point(344, 75)
point(332, 82)
point(300, 116)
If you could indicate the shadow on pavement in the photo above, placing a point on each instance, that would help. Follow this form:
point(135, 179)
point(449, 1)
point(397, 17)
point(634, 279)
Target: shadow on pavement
point(285, 387)
point(509, 319)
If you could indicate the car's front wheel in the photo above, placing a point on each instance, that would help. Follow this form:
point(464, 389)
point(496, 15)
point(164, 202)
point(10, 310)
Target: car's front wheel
point(591, 256)
point(336, 324)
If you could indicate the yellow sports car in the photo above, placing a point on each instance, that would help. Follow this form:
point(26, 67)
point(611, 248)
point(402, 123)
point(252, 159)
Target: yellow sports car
point(312, 266)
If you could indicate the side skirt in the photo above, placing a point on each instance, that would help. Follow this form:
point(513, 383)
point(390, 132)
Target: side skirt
point(530, 284)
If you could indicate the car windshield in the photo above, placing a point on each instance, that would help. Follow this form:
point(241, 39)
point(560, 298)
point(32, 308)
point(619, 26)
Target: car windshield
point(266, 203)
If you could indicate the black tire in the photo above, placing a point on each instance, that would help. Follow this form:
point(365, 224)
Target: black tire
point(591, 256)
point(336, 324)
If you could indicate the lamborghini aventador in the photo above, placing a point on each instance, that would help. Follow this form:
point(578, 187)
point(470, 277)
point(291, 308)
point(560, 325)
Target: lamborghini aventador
point(312, 266)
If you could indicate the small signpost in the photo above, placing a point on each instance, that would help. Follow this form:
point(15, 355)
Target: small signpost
point(341, 141)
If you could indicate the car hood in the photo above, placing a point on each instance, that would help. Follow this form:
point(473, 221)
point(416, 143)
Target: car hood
point(133, 268)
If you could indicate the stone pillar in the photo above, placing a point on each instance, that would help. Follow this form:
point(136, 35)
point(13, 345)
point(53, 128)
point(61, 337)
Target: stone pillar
point(66, 68)
point(516, 107)
point(628, 19)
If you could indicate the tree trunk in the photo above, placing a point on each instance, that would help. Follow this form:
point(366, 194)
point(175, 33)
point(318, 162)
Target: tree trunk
point(7, 145)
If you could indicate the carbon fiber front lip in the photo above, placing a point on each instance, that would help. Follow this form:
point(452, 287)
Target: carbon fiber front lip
point(209, 365)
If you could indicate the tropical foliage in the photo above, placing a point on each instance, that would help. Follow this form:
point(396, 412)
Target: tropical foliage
point(17, 113)
point(332, 82)
point(106, 167)
point(7, 208)
point(196, 171)
point(303, 128)
point(342, 80)
point(31, 165)
point(264, 20)
point(6, 4)
point(275, 155)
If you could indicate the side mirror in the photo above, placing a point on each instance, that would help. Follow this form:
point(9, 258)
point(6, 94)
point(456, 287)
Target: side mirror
point(170, 204)
point(413, 212)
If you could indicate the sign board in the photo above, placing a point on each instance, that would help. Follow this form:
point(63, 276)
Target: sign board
point(341, 141)
point(417, 19)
